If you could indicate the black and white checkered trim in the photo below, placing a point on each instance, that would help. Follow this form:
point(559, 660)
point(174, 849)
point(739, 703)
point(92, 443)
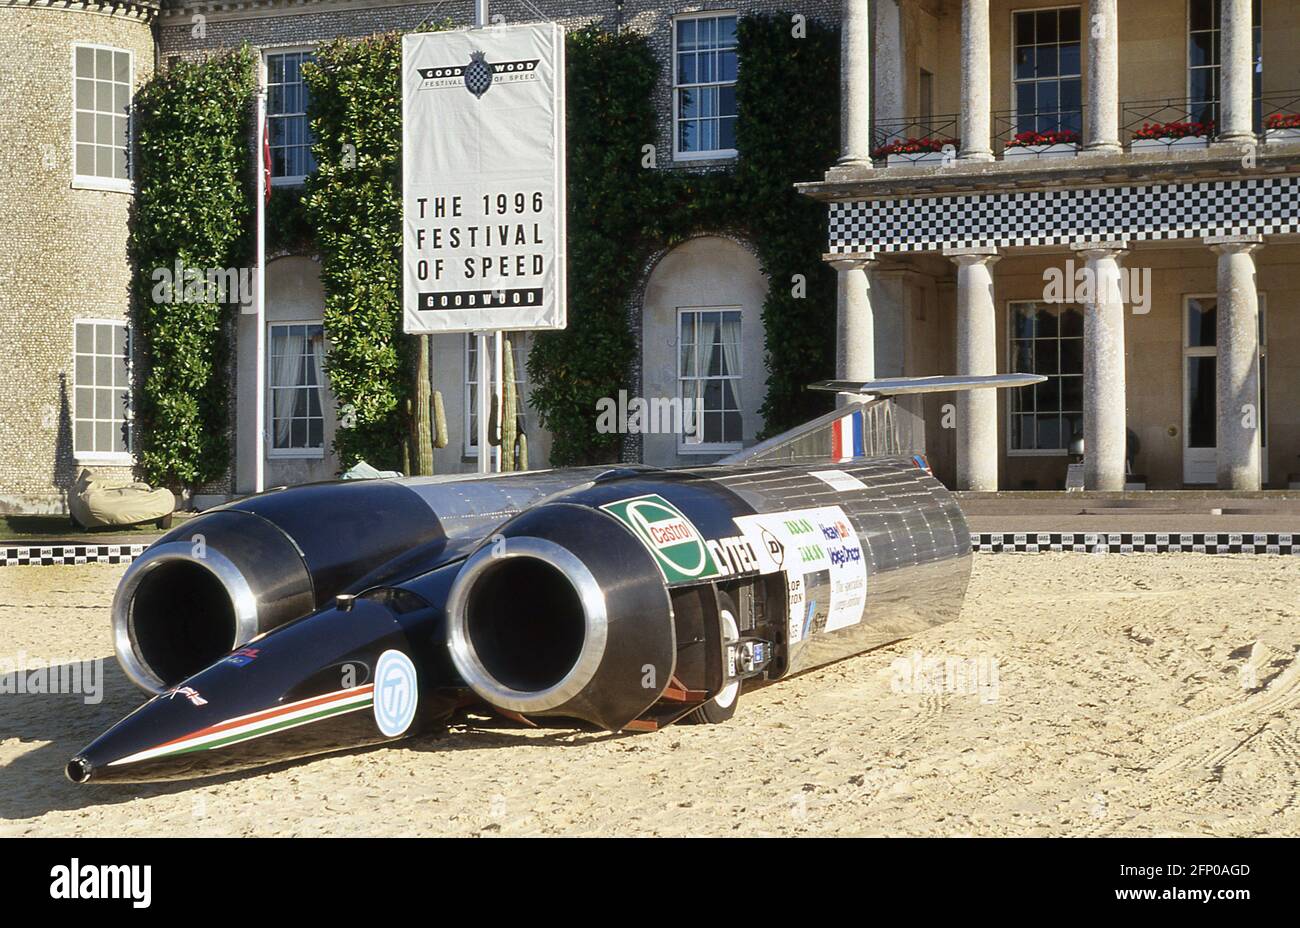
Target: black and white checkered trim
point(1062, 217)
point(1138, 542)
point(70, 554)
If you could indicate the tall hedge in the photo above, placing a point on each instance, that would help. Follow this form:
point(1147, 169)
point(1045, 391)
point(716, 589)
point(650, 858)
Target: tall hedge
point(354, 203)
point(193, 205)
point(609, 85)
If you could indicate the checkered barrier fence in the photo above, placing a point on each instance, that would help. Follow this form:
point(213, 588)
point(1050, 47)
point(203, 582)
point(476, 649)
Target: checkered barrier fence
point(52, 555)
point(1137, 542)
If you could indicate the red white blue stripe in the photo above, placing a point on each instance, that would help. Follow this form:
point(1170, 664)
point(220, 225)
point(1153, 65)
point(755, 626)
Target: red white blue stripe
point(847, 436)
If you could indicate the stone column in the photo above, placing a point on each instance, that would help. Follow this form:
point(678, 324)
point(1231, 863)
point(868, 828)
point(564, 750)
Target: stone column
point(1237, 369)
point(855, 84)
point(977, 353)
point(976, 113)
point(1105, 439)
point(1103, 79)
point(855, 330)
point(889, 64)
point(1236, 75)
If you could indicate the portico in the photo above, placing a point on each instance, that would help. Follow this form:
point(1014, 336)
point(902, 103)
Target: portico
point(964, 218)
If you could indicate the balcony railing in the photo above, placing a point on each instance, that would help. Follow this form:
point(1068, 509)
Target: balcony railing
point(908, 141)
point(1167, 123)
point(1156, 124)
point(1280, 110)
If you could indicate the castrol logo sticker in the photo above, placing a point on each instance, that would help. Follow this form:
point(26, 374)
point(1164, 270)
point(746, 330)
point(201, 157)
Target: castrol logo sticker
point(676, 544)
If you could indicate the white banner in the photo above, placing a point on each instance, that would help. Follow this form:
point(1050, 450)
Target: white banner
point(483, 179)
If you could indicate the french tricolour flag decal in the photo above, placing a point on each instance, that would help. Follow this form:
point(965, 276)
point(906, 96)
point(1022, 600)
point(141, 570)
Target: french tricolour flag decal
point(846, 437)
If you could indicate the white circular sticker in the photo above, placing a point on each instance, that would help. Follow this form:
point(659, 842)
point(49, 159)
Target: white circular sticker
point(396, 693)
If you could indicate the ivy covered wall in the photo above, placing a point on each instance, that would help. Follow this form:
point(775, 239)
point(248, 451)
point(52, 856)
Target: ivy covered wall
point(621, 213)
point(192, 209)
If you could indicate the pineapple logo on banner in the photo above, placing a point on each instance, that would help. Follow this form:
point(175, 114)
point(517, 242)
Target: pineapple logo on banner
point(676, 544)
point(478, 75)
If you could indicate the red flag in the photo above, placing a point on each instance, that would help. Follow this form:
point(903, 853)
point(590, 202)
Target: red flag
point(266, 160)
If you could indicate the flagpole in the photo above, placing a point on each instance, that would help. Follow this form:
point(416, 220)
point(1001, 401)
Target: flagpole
point(259, 444)
point(485, 370)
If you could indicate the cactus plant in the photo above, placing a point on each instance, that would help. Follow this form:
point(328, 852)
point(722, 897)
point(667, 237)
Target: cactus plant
point(510, 407)
point(421, 421)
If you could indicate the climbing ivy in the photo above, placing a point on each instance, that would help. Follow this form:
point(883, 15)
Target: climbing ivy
point(621, 213)
point(192, 207)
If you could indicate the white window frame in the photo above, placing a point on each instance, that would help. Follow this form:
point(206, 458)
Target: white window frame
point(1204, 351)
point(1084, 38)
point(272, 452)
point(703, 447)
point(1012, 450)
point(92, 181)
point(1218, 65)
point(718, 154)
point(296, 180)
point(470, 432)
point(115, 458)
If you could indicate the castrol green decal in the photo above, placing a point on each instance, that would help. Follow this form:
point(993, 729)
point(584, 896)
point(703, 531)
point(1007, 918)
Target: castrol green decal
point(676, 544)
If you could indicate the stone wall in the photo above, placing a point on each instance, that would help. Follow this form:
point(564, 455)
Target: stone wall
point(64, 254)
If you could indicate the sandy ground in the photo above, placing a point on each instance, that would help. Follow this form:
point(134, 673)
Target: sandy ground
point(1078, 694)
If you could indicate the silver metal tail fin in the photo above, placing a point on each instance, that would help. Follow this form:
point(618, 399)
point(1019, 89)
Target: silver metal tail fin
point(901, 386)
point(871, 424)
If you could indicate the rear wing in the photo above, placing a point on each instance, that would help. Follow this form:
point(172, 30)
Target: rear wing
point(902, 386)
point(869, 424)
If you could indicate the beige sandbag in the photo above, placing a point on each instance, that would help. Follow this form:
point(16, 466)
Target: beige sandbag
point(99, 503)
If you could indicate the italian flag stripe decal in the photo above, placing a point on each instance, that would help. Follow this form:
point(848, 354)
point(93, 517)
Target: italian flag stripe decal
point(257, 724)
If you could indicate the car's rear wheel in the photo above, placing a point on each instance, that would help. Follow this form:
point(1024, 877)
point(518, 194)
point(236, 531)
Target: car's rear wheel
point(722, 706)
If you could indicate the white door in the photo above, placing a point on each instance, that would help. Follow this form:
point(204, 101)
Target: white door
point(1200, 416)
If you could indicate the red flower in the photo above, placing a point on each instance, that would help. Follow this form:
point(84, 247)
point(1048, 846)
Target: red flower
point(1283, 121)
point(912, 146)
point(1028, 139)
point(1174, 130)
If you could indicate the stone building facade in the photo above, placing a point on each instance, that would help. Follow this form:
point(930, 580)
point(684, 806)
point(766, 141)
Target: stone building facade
point(67, 238)
point(63, 241)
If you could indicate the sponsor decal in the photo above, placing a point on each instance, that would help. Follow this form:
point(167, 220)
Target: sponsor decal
point(397, 693)
point(773, 546)
point(734, 555)
point(838, 480)
point(257, 724)
point(243, 657)
point(819, 549)
point(677, 546)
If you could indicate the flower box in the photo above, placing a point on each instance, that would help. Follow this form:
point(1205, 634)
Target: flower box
point(1062, 143)
point(928, 157)
point(1286, 136)
point(904, 152)
point(1166, 144)
point(1054, 150)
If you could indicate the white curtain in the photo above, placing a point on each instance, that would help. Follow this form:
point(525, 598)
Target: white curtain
point(731, 366)
point(316, 345)
point(287, 373)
